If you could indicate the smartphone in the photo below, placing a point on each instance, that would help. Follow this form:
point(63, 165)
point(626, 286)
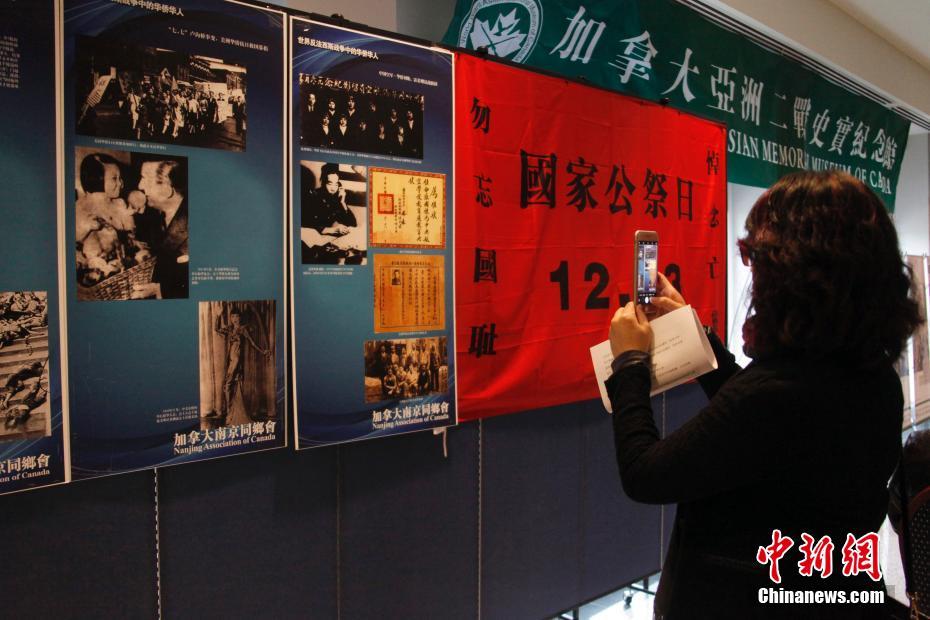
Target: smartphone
point(645, 265)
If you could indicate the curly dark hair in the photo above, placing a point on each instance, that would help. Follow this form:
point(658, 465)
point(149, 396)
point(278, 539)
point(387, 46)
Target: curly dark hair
point(828, 277)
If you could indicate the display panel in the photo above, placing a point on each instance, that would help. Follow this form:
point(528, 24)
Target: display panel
point(33, 450)
point(560, 176)
point(174, 230)
point(371, 235)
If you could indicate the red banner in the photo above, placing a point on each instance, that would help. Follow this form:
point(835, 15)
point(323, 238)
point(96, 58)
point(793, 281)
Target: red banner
point(552, 180)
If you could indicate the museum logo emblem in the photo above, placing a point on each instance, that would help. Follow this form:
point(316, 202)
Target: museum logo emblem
point(508, 29)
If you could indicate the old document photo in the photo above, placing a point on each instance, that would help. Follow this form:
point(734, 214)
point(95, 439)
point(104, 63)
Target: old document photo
point(409, 292)
point(408, 209)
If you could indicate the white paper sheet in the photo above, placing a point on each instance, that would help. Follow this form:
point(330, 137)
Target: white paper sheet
point(680, 352)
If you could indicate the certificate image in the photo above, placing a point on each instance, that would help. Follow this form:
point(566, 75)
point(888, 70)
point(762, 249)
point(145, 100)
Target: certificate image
point(24, 407)
point(408, 209)
point(131, 225)
point(409, 293)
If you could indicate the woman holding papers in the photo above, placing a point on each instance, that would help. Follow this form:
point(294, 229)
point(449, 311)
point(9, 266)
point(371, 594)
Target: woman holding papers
point(781, 479)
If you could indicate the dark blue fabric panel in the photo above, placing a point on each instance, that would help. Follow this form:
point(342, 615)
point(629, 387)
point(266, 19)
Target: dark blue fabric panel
point(681, 404)
point(256, 536)
point(409, 538)
point(532, 504)
point(86, 550)
point(250, 537)
point(620, 537)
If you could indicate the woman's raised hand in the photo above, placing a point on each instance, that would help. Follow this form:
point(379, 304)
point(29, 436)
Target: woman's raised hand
point(667, 297)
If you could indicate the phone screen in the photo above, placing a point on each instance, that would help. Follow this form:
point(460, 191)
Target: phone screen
point(647, 270)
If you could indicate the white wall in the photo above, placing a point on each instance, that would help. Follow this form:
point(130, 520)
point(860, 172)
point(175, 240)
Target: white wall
point(426, 19)
point(820, 27)
point(912, 205)
point(375, 13)
point(740, 199)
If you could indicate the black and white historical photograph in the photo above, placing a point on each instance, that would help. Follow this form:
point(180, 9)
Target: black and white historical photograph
point(131, 225)
point(237, 362)
point(24, 406)
point(352, 116)
point(157, 95)
point(406, 368)
point(333, 213)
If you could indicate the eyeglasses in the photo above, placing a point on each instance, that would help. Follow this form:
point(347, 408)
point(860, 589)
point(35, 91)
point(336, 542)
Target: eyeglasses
point(745, 252)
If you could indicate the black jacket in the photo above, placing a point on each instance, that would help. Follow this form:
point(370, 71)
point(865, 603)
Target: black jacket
point(786, 444)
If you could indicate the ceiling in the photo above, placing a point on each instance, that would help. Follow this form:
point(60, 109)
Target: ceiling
point(902, 23)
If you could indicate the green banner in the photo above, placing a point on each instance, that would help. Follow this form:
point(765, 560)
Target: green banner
point(780, 116)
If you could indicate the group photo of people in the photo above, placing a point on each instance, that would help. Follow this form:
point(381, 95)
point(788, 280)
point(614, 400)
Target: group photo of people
point(405, 368)
point(24, 409)
point(156, 95)
point(131, 225)
point(351, 116)
point(333, 213)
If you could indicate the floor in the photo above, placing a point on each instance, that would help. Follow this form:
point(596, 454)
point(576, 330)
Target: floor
point(629, 603)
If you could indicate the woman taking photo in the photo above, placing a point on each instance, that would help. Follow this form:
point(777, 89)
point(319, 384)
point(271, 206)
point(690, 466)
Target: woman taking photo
point(804, 439)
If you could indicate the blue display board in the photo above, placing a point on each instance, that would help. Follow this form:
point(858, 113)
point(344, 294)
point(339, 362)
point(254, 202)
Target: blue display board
point(371, 235)
point(174, 231)
point(32, 447)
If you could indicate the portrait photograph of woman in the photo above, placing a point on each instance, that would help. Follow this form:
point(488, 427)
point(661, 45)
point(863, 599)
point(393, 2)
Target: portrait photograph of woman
point(131, 225)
